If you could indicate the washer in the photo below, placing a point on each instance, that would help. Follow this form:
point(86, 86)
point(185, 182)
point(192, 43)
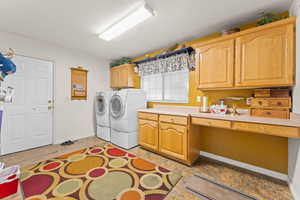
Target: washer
point(102, 100)
point(123, 116)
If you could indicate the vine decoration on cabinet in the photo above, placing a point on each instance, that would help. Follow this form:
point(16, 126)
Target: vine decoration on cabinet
point(78, 83)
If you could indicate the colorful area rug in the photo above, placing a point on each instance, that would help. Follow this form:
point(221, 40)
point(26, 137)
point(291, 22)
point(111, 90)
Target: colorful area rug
point(99, 172)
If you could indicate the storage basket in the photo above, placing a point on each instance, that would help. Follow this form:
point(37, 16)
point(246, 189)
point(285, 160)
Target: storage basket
point(9, 181)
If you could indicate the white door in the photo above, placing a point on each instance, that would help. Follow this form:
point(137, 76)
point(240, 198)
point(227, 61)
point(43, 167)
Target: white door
point(27, 121)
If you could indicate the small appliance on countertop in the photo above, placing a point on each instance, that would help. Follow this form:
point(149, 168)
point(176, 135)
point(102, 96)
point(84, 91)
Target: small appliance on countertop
point(219, 109)
point(204, 108)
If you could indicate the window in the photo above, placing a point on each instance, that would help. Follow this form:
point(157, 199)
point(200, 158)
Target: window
point(167, 87)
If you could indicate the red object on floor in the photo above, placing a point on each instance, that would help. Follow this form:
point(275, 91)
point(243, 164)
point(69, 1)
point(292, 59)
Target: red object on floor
point(9, 188)
point(9, 181)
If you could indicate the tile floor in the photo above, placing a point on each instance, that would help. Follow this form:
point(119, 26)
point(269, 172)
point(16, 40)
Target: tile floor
point(260, 186)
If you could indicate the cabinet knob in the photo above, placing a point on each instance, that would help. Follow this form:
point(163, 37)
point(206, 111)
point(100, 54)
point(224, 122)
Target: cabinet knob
point(279, 103)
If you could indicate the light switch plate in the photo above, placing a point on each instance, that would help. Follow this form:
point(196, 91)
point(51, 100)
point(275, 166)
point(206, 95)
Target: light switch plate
point(248, 101)
point(198, 99)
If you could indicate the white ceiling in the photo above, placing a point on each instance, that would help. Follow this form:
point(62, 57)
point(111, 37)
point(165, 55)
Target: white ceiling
point(76, 23)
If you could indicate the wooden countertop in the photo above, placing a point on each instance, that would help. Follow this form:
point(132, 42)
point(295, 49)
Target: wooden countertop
point(294, 121)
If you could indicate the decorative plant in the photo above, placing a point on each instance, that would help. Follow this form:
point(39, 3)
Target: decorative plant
point(120, 62)
point(267, 18)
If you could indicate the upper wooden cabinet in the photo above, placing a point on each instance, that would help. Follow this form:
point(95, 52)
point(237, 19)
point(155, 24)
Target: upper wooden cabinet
point(265, 58)
point(215, 65)
point(258, 57)
point(123, 76)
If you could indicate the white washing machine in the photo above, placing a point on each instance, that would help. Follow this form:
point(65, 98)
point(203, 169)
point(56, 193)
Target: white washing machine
point(123, 116)
point(102, 115)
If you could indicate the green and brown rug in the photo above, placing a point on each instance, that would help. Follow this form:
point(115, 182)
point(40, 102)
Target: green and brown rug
point(99, 172)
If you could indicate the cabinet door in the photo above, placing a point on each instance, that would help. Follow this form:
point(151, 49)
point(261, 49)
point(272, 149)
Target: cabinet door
point(148, 134)
point(265, 58)
point(114, 77)
point(215, 65)
point(173, 140)
point(123, 77)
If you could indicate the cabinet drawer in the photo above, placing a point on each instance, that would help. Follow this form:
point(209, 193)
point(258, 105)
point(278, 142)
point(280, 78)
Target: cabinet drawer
point(271, 103)
point(173, 119)
point(283, 114)
point(283, 131)
point(211, 122)
point(149, 116)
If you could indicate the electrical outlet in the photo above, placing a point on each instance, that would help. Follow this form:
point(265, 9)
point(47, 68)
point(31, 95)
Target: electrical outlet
point(248, 101)
point(198, 99)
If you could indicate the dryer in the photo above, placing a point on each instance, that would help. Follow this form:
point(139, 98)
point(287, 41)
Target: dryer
point(123, 116)
point(102, 100)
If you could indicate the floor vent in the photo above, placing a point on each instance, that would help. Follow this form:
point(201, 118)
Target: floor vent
point(208, 189)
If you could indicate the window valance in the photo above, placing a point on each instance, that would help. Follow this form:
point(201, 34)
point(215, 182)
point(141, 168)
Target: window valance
point(180, 60)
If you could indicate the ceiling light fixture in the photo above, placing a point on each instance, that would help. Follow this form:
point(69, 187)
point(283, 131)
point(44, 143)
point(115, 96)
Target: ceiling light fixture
point(136, 17)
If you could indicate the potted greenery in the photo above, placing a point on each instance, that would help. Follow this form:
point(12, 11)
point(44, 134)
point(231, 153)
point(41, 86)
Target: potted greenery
point(267, 18)
point(121, 62)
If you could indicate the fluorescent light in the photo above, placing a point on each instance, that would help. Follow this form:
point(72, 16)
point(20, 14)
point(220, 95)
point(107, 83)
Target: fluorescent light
point(137, 16)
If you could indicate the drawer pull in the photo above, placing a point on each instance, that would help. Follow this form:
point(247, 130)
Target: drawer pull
point(279, 103)
point(260, 102)
point(268, 113)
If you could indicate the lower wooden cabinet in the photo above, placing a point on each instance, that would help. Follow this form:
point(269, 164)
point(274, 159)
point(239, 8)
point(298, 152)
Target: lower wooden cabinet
point(170, 135)
point(148, 134)
point(173, 140)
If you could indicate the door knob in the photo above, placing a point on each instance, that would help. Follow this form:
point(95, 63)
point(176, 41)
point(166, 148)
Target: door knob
point(50, 107)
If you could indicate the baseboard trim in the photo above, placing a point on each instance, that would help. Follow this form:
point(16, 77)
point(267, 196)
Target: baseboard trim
point(293, 191)
point(74, 138)
point(250, 167)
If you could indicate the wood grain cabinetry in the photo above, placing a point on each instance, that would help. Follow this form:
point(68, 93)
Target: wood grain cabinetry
point(277, 113)
point(169, 135)
point(173, 140)
point(259, 57)
point(276, 130)
point(173, 119)
point(211, 122)
point(215, 65)
point(265, 58)
point(148, 134)
point(123, 76)
point(149, 116)
point(271, 103)
point(283, 131)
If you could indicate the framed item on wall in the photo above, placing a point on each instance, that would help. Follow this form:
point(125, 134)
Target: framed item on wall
point(78, 83)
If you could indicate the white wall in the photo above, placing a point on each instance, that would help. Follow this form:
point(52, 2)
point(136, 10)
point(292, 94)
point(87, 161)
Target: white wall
point(72, 119)
point(294, 144)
